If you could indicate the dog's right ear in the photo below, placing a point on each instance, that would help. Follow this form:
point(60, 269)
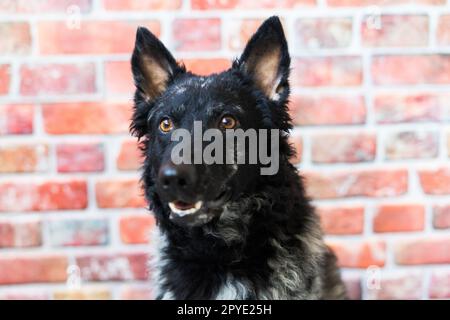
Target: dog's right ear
point(153, 69)
point(152, 64)
point(266, 60)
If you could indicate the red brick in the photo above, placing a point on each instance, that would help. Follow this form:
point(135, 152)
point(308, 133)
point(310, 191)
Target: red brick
point(87, 157)
point(342, 220)
point(141, 5)
point(43, 196)
point(411, 145)
point(399, 217)
point(20, 234)
point(5, 78)
point(113, 267)
point(119, 194)
point(118, 78)
point(395, 31)
point(441, 217)
point(57, 79)
point(40, 6)
point(196, 34)
point(16, 119)
point(440, 285)
point(205, 67)
point(136, 229)
point(16, 38)
point(397, 108)
point(87, 118)
point(137, 293)
point(23, 158)
point(435, 181)
point(313, 33)
point(431, 250)
point(398, 286)
point(342, 147)
point(443, 30)
point(73, 233)
point(359, 254)
point(130, 156)
point(93, 37)
point(397, 70)
point(32, 269)
point(90, 293)
point(367, 3)
point(353, 287)
point(249, 4)
point(308, 110)
point(327, 71)
point(356, 183)
point(297, 142)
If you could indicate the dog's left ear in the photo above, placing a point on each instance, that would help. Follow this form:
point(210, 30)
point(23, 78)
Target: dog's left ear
point(266, 60)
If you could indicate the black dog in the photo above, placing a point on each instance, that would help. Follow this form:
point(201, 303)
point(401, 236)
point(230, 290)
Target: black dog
point(226, 231)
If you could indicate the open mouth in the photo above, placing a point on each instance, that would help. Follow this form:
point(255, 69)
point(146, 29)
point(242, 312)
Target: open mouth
point(181, 208)
point(198, 213)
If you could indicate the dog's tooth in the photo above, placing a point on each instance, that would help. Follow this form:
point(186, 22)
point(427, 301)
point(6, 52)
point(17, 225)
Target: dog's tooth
point(173, 207)
point(198, 205)
point(180, 212)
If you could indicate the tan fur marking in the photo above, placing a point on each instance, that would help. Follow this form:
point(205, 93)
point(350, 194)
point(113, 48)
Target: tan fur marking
point(265, 71)
point(156, 77)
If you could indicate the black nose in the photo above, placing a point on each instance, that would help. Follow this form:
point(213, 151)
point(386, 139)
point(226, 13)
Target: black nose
point(177, 180)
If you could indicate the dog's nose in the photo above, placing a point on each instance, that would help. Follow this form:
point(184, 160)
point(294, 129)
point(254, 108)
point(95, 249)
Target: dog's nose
point(177, 179)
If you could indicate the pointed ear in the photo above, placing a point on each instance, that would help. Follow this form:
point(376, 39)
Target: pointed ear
point(152, 65)
point(266, 60)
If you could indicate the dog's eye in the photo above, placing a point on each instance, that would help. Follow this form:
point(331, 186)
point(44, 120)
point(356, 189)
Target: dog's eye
point(166, 125)
point(228, 122)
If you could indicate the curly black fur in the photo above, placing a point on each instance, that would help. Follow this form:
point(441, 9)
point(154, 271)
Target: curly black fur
point(266, 243)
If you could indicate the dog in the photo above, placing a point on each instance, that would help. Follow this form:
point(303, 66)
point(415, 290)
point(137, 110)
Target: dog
point(225, 231)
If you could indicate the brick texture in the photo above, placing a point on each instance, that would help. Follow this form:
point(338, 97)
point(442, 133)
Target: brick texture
point(331, 148)
point(441, 217)
point(80, 157)
point(356, 184)
point(398, 286)
point(32, 269)
point(396, 31)
point(394, 218)
point(86, 118)
point(119, 194)
point(136, 229)
point(23, 158)
point(370, 105)
point(359, 255)
point(17, 38)
point(343, 220)
point(434, 250)
point(16, 119)
point(57, 79)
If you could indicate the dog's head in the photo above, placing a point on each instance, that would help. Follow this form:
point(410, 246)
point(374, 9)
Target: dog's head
point(252, 94)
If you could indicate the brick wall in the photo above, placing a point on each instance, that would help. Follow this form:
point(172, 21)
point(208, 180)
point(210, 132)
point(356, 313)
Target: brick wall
point(371, 102)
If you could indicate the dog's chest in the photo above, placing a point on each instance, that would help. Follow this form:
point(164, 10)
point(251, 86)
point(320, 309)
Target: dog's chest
point(233, 289)
point(230, 289)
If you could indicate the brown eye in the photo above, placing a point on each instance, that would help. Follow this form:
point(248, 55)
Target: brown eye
point(228, 122)
point(166, 125)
